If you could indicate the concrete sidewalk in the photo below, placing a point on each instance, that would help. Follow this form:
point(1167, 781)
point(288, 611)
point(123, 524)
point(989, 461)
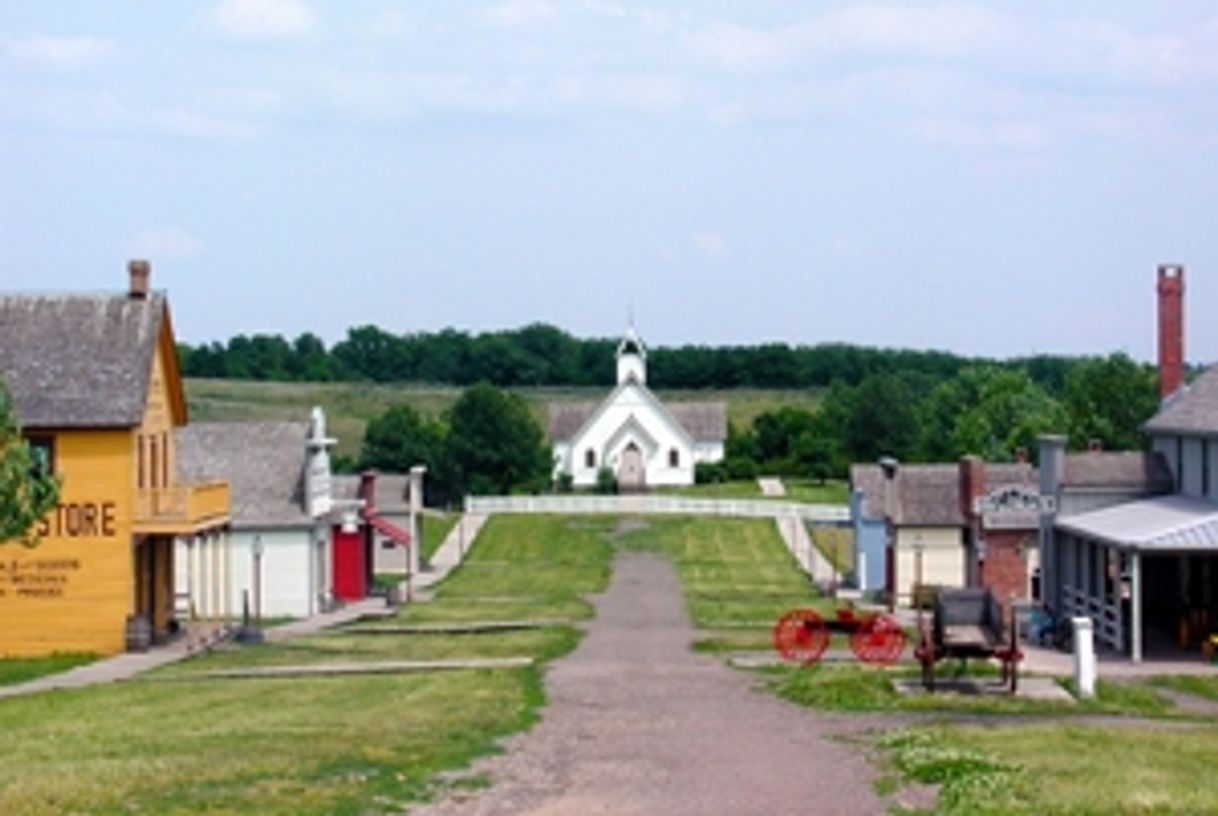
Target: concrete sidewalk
point(771, 486)
point(347, 613)
point(128, 665)
point(795, 535)
point(120, 666)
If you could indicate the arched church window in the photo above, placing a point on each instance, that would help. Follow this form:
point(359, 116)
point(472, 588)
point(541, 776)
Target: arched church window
point(590, 458)
point(674, 458)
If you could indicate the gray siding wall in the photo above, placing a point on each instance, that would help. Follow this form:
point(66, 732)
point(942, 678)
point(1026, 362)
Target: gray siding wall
point(1072, 503)
point(1191, 468)
point(1166, 446)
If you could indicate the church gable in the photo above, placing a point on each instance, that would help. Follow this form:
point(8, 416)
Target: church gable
point(632, 433)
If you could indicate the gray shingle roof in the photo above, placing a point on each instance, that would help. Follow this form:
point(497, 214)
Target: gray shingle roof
point(929, 495)
point(78, 361)
point(391, 491)
point(1193, 410)
point(1117, 469)
point(703, 421)
point(263, 463)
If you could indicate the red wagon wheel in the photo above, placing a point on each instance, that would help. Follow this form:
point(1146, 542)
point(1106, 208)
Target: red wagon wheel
point(878, 639)
point(800, 636)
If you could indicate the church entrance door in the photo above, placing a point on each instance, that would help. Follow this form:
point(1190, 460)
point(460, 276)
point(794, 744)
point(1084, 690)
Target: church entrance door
point(631, 474)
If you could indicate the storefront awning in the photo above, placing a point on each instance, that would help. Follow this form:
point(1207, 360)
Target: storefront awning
point(1163, 524)
point(387, 529)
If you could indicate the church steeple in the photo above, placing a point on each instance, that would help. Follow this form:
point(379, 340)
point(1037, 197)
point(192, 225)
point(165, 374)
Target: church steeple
point(631, 358)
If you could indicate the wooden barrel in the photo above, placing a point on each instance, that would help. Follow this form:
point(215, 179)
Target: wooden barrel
point(139, 633)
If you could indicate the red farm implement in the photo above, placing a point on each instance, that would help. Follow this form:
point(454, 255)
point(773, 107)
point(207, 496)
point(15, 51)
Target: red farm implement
point(802, 635)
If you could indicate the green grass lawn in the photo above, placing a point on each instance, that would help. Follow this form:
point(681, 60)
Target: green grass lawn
point(20, 669)
point(1061, 769)
point(831, 491)
point(836, 544)
point(857, 687)
point(1199, 685)
point(798, 490)
point(436, 527)
point(736, 575)
point(177, 743)
point(349, 406)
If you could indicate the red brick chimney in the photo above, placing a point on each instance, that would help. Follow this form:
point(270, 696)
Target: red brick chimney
point(367, 489)
point(972, 484)
point(138, 273)
point(1171, 329)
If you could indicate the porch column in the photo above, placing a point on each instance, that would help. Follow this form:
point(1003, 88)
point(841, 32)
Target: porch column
point(214, 582)
point(227, 575)
point(1135, 606)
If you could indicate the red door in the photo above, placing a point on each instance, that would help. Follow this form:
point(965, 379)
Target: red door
point(350, 566)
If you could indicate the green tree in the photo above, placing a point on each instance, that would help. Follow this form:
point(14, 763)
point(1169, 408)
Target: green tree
point(1110, 398)
point(880, 419)
point(1006, 411)
point(28, 489)
point(399, 439)
point(494, 443)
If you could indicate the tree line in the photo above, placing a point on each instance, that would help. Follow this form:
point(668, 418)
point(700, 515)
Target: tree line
point(489, 442)
point(992, 411)
point(543, 355)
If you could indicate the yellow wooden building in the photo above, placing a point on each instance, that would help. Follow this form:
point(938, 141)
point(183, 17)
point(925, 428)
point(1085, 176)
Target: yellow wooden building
point(95, 384)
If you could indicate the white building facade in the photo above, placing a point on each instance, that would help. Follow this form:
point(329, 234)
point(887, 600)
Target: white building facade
point(641, 441)
point(280, 556)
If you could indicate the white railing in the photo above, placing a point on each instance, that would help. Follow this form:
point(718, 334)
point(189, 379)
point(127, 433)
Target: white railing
point(1105, 616)
point(657, 505)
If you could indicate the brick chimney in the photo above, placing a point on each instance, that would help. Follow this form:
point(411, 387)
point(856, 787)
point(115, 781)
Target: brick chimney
point(138, 272)
point(972, 484)
point(1171, 329)
point(367, 489)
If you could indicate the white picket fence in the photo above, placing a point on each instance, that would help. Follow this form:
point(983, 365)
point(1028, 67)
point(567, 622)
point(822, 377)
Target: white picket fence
point(658, 505)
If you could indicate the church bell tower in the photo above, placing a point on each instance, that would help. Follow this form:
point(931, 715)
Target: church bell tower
point(631, 358)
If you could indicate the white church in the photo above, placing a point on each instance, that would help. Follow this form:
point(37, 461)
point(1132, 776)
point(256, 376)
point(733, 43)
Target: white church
point(642, 441)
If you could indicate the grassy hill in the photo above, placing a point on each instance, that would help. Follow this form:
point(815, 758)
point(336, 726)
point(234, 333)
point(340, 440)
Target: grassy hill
point(349, 406)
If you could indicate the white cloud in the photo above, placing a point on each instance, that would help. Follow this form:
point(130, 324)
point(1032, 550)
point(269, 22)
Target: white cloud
point(708, 244)
point(59, 51)
point(164, 242)
point(264, 18)
point(517, 13)
point(941, 32)
point(1005, 135)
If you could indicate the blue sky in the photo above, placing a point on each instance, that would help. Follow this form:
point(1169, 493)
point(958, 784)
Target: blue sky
point(987, 178)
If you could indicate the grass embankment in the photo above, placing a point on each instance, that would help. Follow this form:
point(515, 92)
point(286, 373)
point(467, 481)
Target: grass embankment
point(15, 670)
point(436, 527)
point(349, 406)
point(356, 744)
point(736, 575)
point(831, 491)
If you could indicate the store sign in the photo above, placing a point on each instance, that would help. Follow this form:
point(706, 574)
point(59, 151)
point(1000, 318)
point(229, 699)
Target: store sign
point(78, 520)
point(36, 578)
point(1015, 507)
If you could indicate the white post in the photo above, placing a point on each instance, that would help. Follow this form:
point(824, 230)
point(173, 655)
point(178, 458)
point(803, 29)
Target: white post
point(1084, 657)
point(1135, 607)
point(862, 576)
point(416, 508)
point(228, 578)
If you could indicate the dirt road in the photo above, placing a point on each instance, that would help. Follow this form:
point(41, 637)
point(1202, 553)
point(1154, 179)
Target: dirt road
point(638, 724)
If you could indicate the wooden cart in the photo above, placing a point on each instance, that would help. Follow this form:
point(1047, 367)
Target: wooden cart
point(968, 623)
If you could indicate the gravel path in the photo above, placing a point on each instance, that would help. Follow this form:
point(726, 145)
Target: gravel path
point(638, 724)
